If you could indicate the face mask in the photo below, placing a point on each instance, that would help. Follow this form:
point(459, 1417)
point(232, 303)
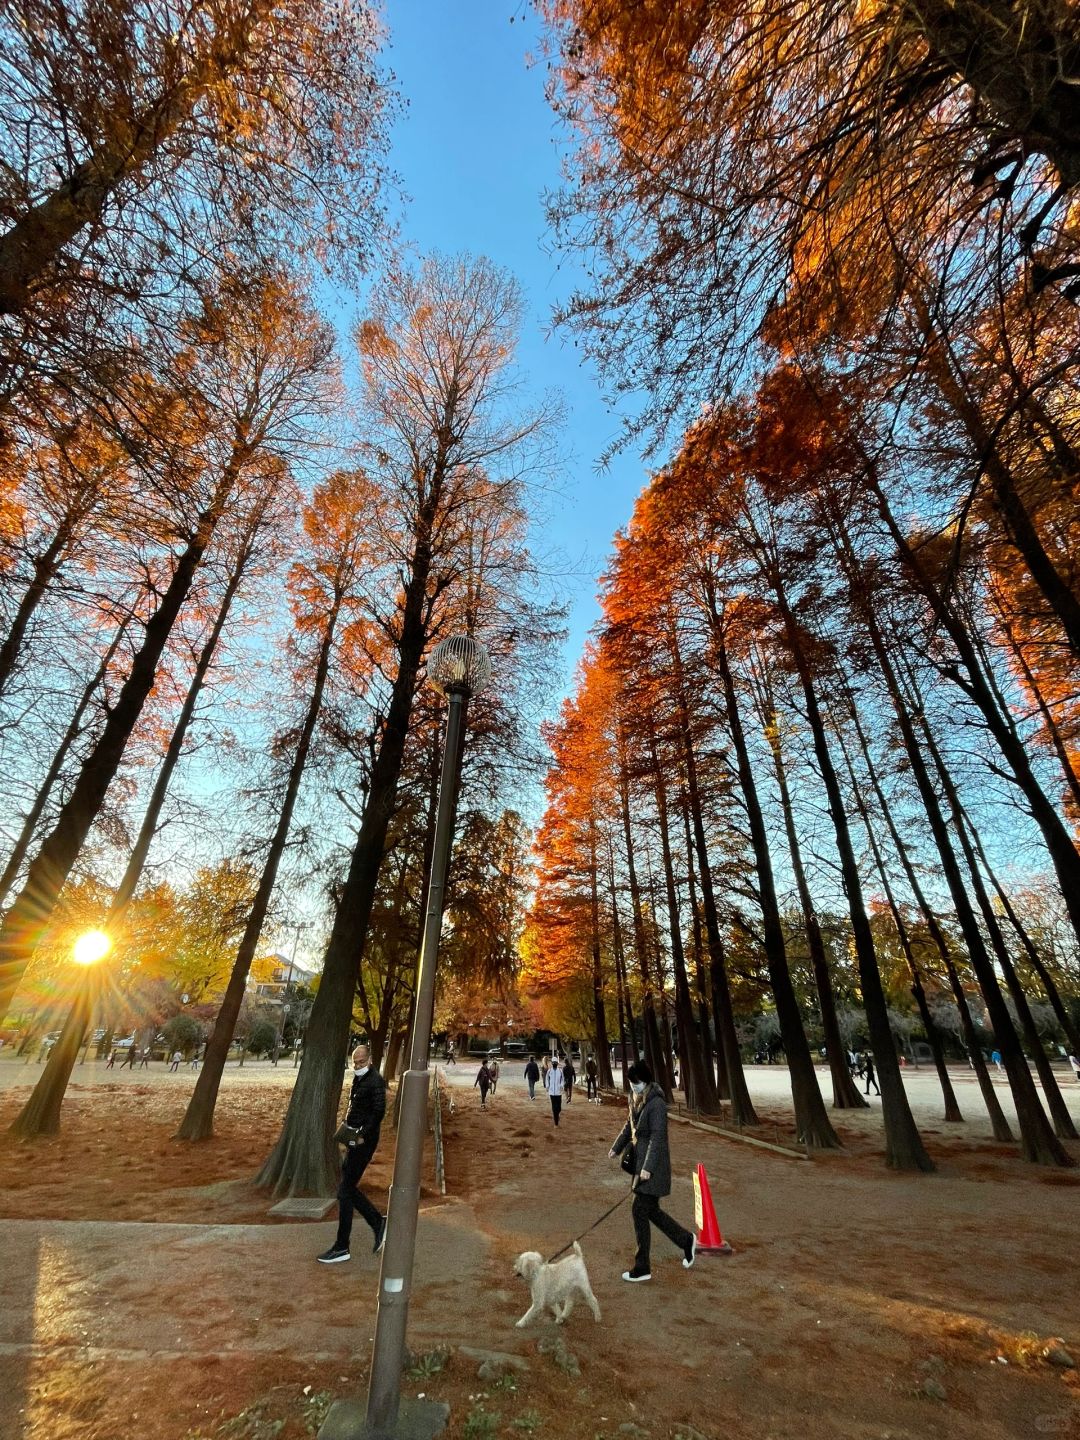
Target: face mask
point(361, 1069)
point(638, 1087)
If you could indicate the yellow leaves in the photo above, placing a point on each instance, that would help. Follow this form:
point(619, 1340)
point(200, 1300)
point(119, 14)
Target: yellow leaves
point(264, 968)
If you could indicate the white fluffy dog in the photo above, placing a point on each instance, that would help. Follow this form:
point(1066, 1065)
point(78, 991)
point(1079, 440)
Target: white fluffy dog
point(557, 1286)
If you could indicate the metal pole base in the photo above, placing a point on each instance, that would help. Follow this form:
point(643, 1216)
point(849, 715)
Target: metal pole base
point(417, 1420)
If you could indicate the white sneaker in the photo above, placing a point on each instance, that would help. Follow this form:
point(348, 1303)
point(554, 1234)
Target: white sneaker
point(688, 1259)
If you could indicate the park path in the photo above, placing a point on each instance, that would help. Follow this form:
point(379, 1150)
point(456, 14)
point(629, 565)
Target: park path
point(845, 1284)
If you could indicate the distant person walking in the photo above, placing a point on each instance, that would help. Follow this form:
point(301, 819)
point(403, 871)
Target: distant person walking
point(868, 1071)
point(144, 1059)
point(646, 1129)
point(493, 1071)
point(111, 1060)
point(553, 1084)
point(545, 1066)
point(592, 1088)
point(995, 1056)
point(569, 1076)
point(1075, 1063)
point(130, 1058)
point(450, 1060)
point(174, 1063)
point(483, 1079)
point(532, 1076)
point(367, 1106)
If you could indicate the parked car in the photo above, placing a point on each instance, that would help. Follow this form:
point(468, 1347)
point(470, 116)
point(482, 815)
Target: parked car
point(515, 1049)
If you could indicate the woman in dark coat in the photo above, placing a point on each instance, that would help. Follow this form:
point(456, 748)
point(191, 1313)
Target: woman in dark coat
point(647, 1128)
point(483, 1079)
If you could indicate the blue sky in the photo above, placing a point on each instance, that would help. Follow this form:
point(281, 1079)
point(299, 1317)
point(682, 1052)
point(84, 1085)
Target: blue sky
point(475, 148)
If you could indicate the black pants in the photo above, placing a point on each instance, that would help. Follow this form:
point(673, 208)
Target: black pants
point(646, 1211)
point(871, 1081)
point(350, 1197)
point(590, 1087)
point(484, 1093)
point(556, 1107)
point(568, 1091)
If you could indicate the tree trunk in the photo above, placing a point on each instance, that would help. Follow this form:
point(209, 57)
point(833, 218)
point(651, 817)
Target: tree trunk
point(46, 566)
point(603, 1059)
point(1021, 65)
point(952, 1107)
point(148, 829)
point(1072, 780)
point(904, 1149)
point(1059, 1112)
point(304, 1160)
point(650, 1025)
point(704, 1035)
point(623, 1044)
point(812, 1122)
point(41, 1113)
point(666, 1073)
point(998, 1123)
point(692, 1071)
point(1053, 994)
point(198, 1121)
point(845, 1092)
point(32, 246)
point(626, 1010)
point(1038, 1141)
point(733, 1079)
point(71, 734)
point(1063, 852)
point(49, 870)
point(742, 1108)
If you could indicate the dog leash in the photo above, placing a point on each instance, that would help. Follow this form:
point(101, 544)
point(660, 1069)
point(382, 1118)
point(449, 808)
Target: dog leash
point(593, 1226)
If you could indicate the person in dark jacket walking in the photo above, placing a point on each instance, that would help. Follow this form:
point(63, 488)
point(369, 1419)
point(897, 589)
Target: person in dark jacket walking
point(367, 1106)
point(569, 1075)
point(647, 1129)
point(532, 1076)
point(483, 1079)
point(868, 1071)
point(591, 1089)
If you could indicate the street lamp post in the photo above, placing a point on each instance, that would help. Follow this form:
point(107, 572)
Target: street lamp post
point(458, 666)
point(41, 1113)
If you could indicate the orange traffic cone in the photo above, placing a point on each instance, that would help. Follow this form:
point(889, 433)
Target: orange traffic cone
point(709, 1239)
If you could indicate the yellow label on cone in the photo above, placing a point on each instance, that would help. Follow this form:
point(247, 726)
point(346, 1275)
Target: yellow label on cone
point(699, 1220)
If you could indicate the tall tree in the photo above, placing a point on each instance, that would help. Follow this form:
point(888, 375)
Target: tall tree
point(116, 115)
point(435, 353)
point(256, 372)
point(323, 586)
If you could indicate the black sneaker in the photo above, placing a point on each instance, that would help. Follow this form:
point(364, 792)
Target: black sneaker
point(380, 1236)
point(689, 1252)
point(334, 1256)
point(636, 1276)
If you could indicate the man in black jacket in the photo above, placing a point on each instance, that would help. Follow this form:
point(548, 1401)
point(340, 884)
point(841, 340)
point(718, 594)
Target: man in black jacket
point(367, 1106)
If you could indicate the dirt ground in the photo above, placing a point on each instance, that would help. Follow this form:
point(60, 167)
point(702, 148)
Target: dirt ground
point(857, 1304)
point(117, 1159)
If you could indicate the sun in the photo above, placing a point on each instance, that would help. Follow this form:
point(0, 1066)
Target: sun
point(92, 947)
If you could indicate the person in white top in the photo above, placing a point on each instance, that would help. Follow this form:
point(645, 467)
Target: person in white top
point(1075, 1063)
point(553, 1083)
